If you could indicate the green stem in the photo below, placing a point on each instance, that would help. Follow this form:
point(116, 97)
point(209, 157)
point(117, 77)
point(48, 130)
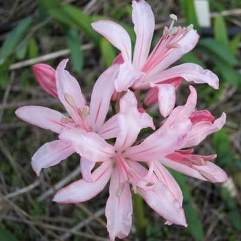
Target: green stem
point(140, 219)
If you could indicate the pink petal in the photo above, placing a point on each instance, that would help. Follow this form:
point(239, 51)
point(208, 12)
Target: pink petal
point(211, 172)
point(101, 97)
point(131, 121)
point(191, 73)
point(166, 178)
point(166, 98)
point(180, 167)
point(161, 200)
point(117, 36)
point(42, 117)
point(69, 91)
point(118, 207)
point(45, 75)
point(151, 96)
point(144, 24)
point(170, 48)
point(202, 129)
point(81, 191)
point(202, 115)
point(126, 77)
point(160, 143)
point(89, 145)
point(110, 128)
point(182, 113)
point(51, 154)
point(86, 167)
point(118, 59)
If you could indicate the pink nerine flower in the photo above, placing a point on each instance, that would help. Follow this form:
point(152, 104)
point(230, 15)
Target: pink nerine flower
point(143, 70)
point(89, 120)
point(123, 166)
point(45, 75)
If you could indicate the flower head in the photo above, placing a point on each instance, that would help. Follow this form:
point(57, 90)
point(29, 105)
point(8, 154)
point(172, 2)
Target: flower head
point(90, 121)
point(141, 69)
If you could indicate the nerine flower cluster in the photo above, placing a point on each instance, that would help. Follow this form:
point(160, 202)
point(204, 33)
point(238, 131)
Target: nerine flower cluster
point(112, 153)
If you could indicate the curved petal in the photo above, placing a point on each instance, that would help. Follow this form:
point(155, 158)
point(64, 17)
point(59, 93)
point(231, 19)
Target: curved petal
point(191, 73)
point(126, 77)
point(202, 129)
point(144, 24)
point(151, 96)
point(160, 143)
point(118, 59)
point(101, 96)
point(42, 117)
point(89, 145)
point(86, 167)
point(117, 36)
point(162, 201)
point(118, 207)
point(166, 98)
point(171, 47)
point(182, 168)
point(182, 113)
point(166, 178)
point(51, 154)
point(202, 115)
point(69, 91)
point(81, 191)
point(211, 172)
point(131, 121)
point(110, 129)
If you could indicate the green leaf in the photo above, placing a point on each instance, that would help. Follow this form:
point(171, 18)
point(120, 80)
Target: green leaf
point(195, 226)
point(108, 53)
point(33, 48)
point(220, 30)
point(222, 145)
point(188, 9)
point(21, 50)
point(192, 58)
point(13, 39)
point(81, 20)
point(4, 78)
point(228, 73)
point(6, 235)
point(234, 44)
point(73, 40)
point(232, 209)
point(71, 16)
point(220, 50)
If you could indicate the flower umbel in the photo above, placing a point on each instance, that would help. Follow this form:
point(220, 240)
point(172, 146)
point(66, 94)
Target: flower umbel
point(128, 149)
point(141, 70)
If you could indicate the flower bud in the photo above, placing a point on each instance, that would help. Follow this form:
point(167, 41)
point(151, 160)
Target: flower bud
point(45, 75)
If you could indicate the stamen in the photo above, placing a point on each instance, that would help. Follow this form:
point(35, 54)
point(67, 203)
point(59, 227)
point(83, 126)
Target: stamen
point(172, 29)
point(66, 120)
point(85, 111)
point(190, 27)
point(70, 100)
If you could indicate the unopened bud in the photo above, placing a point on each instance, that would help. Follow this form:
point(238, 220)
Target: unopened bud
point(45, 75)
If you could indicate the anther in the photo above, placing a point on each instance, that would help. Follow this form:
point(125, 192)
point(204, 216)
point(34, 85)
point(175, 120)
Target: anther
point(171, 28)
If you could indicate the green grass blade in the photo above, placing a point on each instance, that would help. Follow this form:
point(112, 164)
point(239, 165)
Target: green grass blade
point(13, 39)
point(220, 50)
point(195, 227)
point(220, 30)
point(74, 44)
